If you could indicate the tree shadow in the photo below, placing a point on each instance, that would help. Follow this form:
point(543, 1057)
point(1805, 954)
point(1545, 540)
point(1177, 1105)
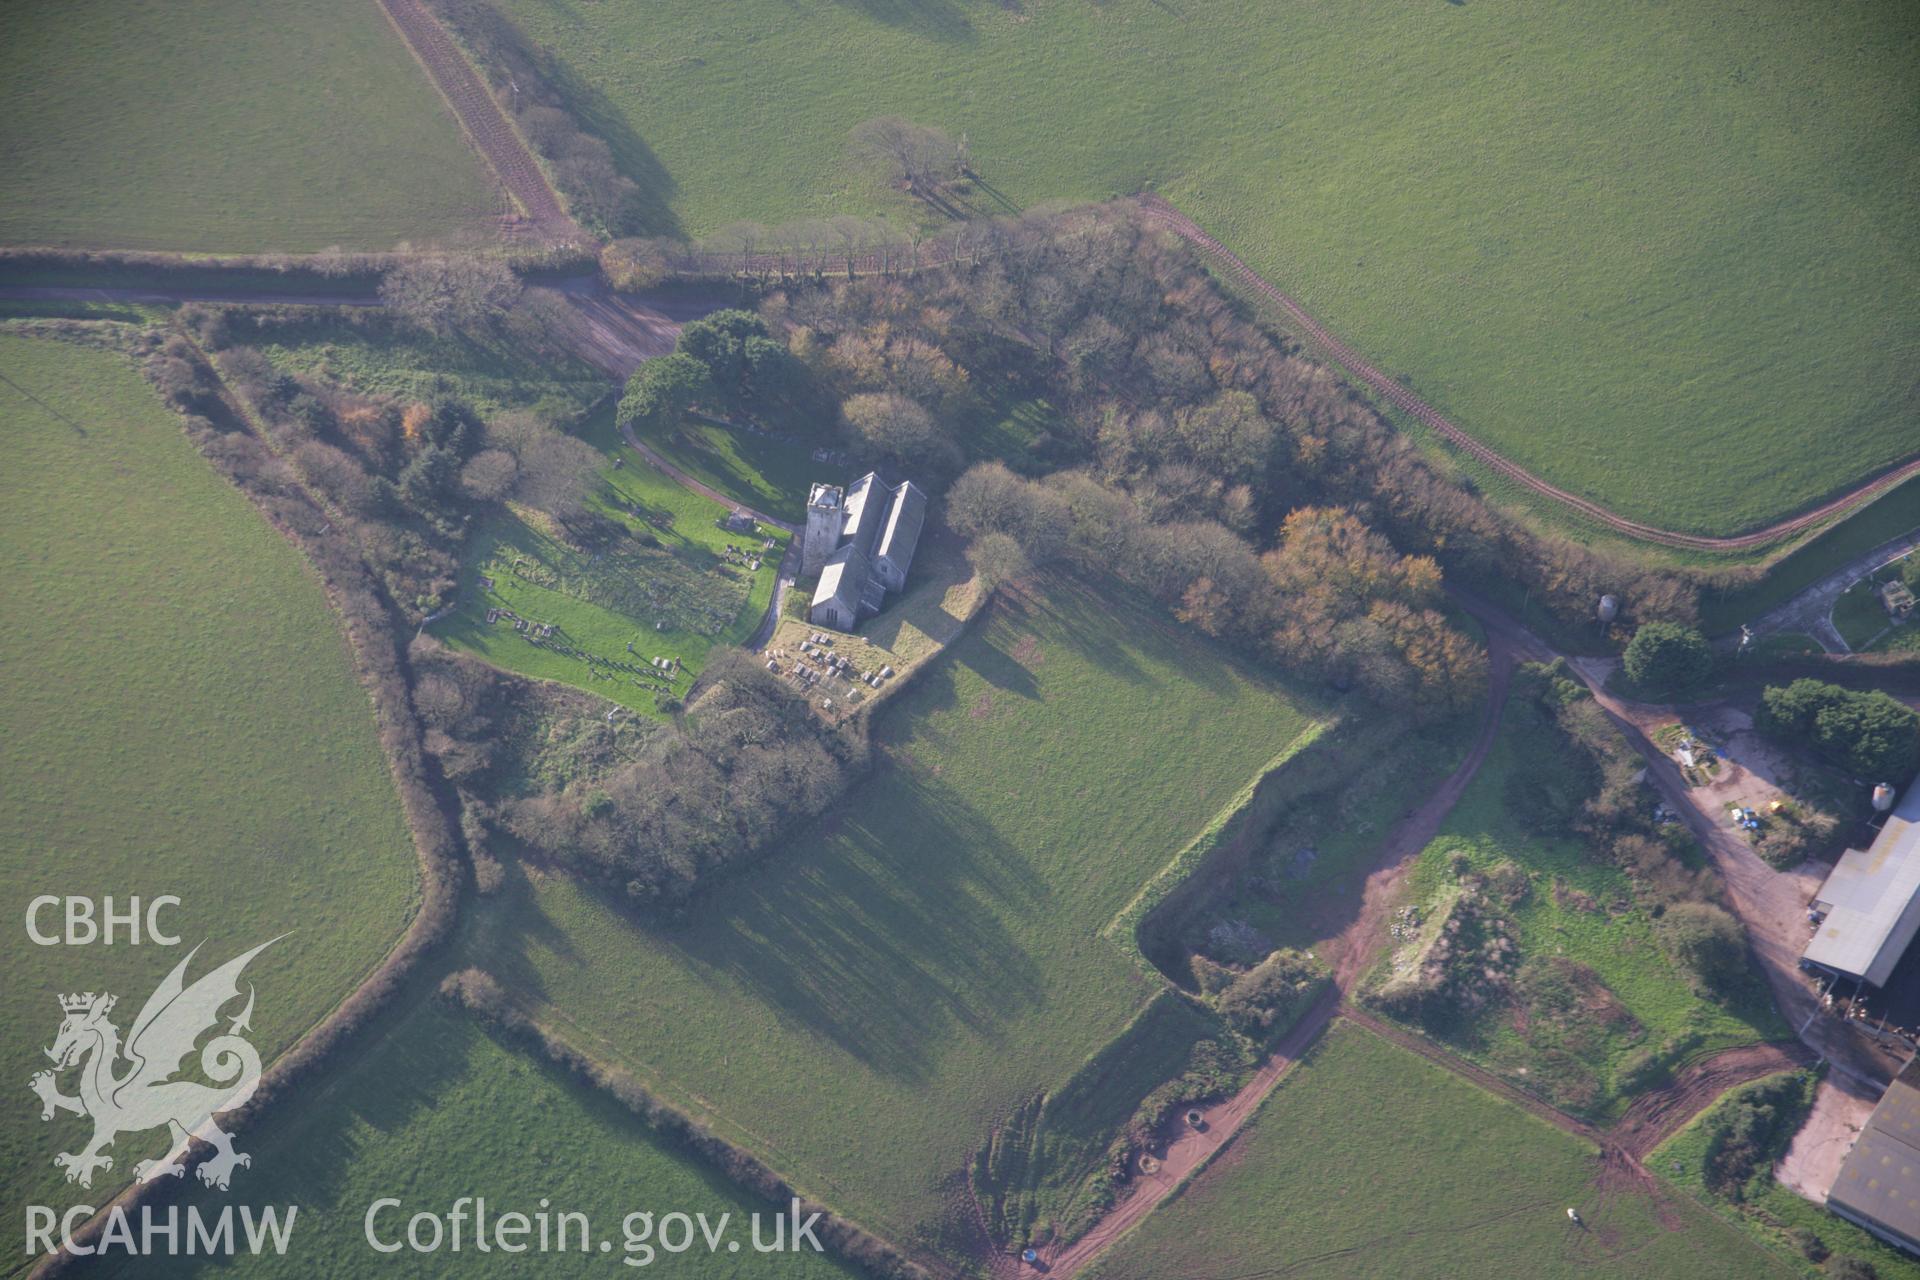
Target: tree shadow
point(305, 1155)
point(650, 213)
point(942, 20)
point(891, 936)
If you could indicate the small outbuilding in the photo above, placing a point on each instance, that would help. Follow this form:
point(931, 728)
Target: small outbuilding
point(1897, 598)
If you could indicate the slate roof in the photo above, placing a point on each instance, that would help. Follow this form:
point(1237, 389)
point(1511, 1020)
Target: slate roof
point(905, 516)
point(866, 507)
point(843, 579)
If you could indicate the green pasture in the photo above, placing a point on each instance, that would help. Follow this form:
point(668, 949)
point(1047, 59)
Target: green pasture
point(226, 127)
point(1370, 1161)
point(1582, 909)
point(182, 718)
point(435, 1109)
point(1775, 1211)
point(864, 1006)
point(1861, 617)
point(765, 472)
point(677, 598)
point(1664, 255)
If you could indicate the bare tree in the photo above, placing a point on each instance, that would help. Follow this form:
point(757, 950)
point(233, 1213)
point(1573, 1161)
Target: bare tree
point(917, 156)
point(450, 293)
point(741, 240)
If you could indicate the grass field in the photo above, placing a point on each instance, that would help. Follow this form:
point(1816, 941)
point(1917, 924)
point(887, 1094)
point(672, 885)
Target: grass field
point(1582, 910)
point(223, 128)
point(1682, 1160)
point(1861, 617)
point(1663, 255)
point(624, 603)
point(927, 957)
point(436, 1109)
point(181, 718)
point(1369, 1161)
point(764, 472)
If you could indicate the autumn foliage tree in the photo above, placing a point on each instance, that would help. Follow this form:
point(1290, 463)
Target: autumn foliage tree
point(1354, 607)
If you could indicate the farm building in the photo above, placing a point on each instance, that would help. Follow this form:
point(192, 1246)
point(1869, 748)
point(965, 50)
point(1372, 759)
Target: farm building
point(1879, 1182)
point(1869, 908)
point(861, 542)
point(1897, 599)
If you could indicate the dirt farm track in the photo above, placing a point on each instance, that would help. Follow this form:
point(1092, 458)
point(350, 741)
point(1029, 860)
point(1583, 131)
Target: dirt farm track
point(480, 116)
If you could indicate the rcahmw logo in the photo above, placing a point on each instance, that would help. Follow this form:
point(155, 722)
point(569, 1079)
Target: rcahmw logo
point(129, 1086)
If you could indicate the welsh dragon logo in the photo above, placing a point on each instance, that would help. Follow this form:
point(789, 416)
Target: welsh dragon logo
point(130, 1088)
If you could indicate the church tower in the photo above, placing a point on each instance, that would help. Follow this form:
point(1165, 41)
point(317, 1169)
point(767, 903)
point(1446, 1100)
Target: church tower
point(826, 509)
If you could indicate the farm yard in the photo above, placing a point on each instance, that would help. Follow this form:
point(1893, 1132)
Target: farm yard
point(1573, 298)
point(208, 130)
point(656, 580)
point(926, 957)
point(501, 1124)
point(181, 719)
point(1370, 1161)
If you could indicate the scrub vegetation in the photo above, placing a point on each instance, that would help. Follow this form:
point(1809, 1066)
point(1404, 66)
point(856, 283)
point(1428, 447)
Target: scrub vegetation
point(1556, 933)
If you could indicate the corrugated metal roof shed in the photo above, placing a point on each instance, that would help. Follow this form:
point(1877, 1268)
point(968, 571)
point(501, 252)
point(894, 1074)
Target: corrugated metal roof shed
point(1872, 900)
point(1879, 1183)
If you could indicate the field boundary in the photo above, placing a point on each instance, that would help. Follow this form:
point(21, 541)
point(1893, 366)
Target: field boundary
point(482, 998)
point(480, 117)
point(1185, 864)
point(1158, 212)
point(373, 644)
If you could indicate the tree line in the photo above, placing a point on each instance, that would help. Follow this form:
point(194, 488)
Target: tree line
point(1178, 444)
point(406, 477)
